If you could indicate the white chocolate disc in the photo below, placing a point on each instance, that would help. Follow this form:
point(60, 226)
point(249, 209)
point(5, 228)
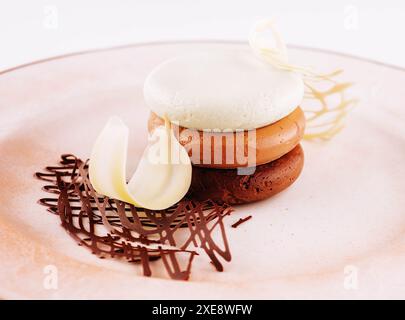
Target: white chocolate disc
point(222, 90)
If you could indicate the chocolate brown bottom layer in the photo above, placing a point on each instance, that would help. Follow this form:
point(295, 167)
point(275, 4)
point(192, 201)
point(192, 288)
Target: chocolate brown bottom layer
point(225, 185)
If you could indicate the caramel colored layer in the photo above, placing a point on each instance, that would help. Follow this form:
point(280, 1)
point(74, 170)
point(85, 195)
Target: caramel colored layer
point(229, 150)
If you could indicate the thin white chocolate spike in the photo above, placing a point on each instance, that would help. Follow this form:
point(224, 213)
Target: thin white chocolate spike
point(327, 119)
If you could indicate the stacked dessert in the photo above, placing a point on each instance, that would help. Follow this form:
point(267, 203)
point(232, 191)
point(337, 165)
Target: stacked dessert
point(237, 116)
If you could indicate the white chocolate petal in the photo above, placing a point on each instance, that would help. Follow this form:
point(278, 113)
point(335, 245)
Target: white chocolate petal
point(159, 180)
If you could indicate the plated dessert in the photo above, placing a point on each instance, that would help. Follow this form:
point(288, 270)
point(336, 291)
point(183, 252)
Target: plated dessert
point(224, 129)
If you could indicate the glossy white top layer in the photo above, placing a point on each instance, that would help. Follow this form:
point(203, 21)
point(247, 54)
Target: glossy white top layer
point(222, 90)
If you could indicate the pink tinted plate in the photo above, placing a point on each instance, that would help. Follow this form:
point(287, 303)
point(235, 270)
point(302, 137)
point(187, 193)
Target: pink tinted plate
point(338, 232)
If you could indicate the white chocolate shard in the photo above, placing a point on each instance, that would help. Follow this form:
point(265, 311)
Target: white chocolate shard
point(161, 179)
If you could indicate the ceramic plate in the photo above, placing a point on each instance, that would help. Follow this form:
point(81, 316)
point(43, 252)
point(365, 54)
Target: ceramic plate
point(338, 232)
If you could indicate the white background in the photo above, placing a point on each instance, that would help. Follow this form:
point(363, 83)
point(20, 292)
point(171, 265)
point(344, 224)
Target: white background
point(36, 29)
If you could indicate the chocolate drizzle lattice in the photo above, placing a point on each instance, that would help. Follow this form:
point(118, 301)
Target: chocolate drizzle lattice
point(111, 228)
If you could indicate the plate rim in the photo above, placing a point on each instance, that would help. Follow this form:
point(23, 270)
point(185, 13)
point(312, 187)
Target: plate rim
point(193, 41)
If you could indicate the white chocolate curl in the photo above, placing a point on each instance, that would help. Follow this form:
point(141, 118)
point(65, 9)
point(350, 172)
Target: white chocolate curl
point(324, 119)
point(163, 175)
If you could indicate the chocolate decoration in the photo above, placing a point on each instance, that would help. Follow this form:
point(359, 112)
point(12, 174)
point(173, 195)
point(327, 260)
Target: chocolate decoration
point(131, 233)
point(240, 221)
